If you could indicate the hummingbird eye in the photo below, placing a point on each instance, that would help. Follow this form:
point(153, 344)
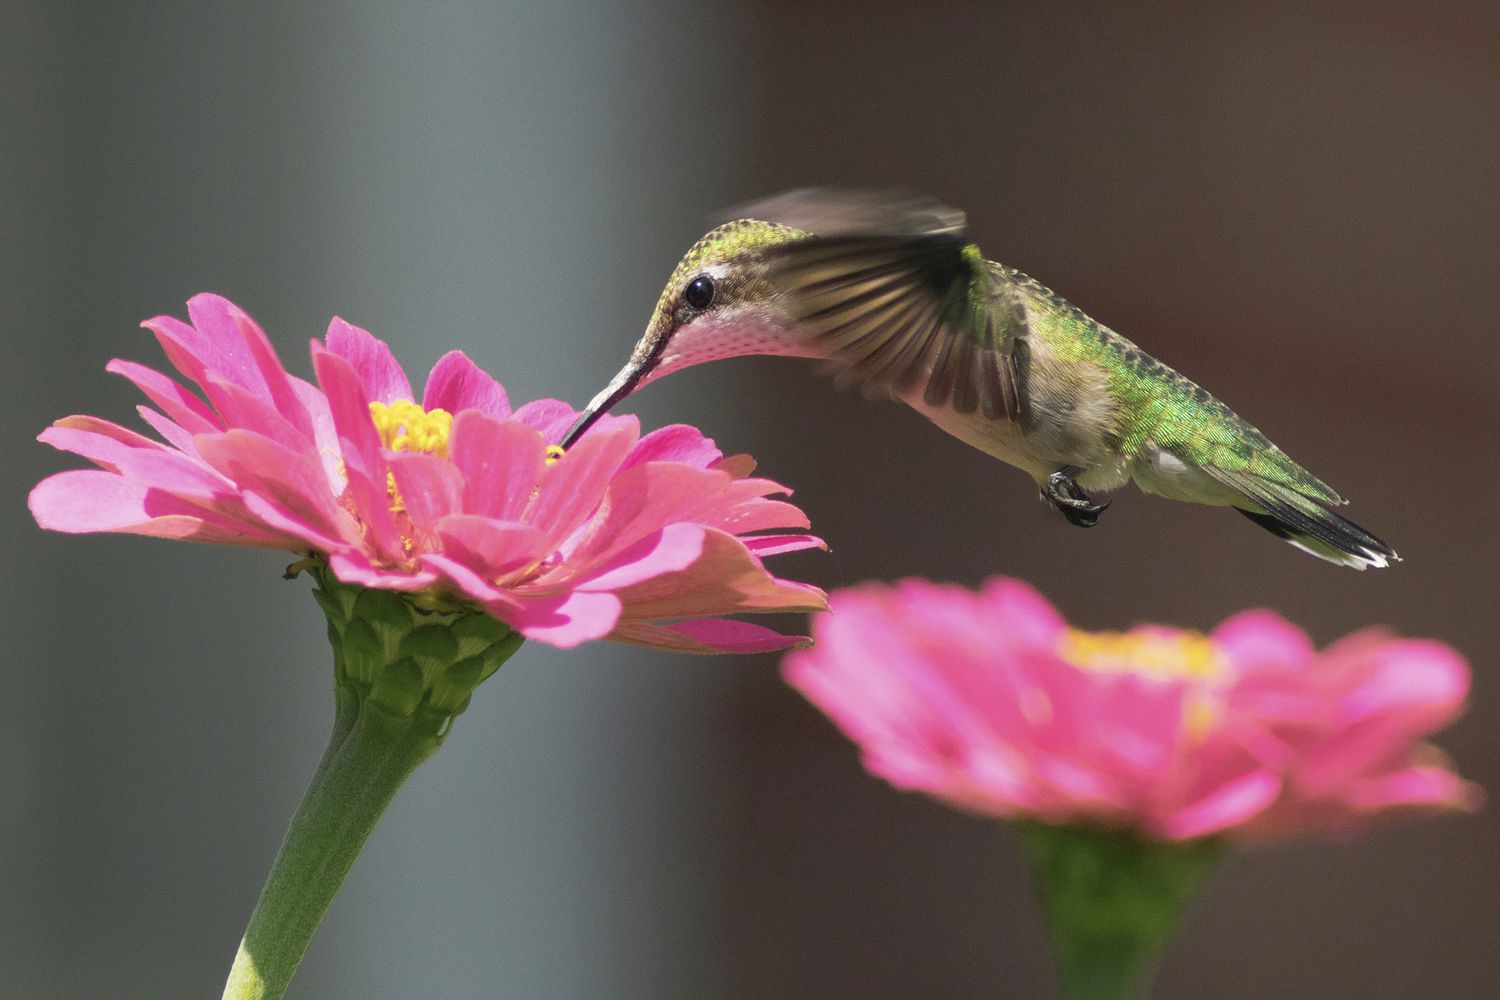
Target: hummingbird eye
point(699, 293)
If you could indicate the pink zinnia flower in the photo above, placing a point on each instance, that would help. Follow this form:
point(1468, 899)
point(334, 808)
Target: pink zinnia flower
point(991, 702)
point(456, 499)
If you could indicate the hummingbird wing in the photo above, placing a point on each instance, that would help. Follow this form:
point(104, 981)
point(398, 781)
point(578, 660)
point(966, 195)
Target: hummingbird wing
point(903, 312)
point(838, 212)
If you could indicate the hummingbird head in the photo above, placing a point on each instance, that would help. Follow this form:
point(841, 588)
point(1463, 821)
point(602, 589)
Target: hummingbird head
point(719, 303)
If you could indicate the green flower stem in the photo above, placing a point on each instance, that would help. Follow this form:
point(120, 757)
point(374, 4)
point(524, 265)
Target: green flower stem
point(1112, 903)
point(404, 667)
point(357, 778)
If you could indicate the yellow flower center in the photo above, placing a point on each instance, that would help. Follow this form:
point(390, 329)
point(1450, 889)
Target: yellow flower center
point(405, 426)
point(1162, 655)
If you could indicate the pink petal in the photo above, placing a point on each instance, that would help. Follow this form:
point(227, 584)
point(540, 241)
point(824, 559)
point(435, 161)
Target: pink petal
point(137, 458)
point(674, 443)
point(254, 364)
point(298, 530)
point(430, 487)
point(180, 343)
point(490, 548)
point(99, 441)
point(566, 620)
point(471, 583)
point(216, 346)
point(1411, 688)
point(242, 409)
point(229, 355)
point(549, 417)
point(364, 459)
point(572, 487)
point(760, 515)
point(708, 635)
point(88, 500)
point(501, 463)
point(379, 375)
point(325, 434)
point(1230, 804)
point(176, 473)
point(457, 384)
point(775, 545)
point(1417, 787)
point(1024, 615)
point(174, 435)
point(232, 350)
point(1071, 789)
point(353, 566)
point(186, 409)
point(642, 500)
point(1417, 677)
point(749, 489)
point(1260, 640)
point(726, 579)
point(673, 548)
point(295, 482)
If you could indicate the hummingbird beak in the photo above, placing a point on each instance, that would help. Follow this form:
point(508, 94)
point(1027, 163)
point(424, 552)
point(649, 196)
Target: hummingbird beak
point(619, 387)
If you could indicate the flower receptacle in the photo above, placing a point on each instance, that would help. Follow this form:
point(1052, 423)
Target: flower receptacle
point(406, 657)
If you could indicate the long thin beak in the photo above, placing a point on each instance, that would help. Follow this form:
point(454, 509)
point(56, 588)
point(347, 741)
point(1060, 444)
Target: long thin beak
point(619, 387)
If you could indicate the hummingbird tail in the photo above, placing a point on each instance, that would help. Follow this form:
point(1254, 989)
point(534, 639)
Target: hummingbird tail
point(1306, 523)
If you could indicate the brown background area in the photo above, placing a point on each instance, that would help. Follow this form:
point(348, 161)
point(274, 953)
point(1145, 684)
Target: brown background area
point(1296, 204)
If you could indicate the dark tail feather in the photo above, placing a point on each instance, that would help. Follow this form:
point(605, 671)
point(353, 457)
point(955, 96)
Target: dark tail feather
point(1306, 523)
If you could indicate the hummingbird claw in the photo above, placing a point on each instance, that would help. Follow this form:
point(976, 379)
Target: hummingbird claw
point(1065, 495)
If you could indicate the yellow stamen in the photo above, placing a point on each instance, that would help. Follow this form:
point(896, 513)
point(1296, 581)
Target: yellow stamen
point(398, 506)
point(405, 426)
point(1164, 655)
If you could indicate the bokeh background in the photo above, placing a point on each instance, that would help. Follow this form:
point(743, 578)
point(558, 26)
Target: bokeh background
point(1298, 204)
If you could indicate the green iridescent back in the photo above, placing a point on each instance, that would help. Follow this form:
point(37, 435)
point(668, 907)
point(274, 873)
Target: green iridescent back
point(1166, 407)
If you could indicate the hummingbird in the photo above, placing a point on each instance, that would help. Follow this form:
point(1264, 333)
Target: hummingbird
point(892, 295)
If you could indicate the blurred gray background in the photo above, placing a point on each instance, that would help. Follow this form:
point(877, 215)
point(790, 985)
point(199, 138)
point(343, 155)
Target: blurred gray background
point(1297, 205)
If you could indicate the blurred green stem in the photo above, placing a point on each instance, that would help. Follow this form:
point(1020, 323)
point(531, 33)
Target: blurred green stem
point(1112, 903)
point(370, 756)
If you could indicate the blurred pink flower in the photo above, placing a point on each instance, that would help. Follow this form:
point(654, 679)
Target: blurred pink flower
point(637, 539)
point(1346, 725)
point(991, 702)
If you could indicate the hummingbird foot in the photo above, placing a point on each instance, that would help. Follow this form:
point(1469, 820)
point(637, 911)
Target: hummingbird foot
point(1063, 493)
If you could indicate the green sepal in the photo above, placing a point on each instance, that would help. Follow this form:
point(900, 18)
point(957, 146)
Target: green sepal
point(1112, 901)
point(336, 605)
point(500, 651)
point(408, 653)
point(398, 689)
point(360, 653)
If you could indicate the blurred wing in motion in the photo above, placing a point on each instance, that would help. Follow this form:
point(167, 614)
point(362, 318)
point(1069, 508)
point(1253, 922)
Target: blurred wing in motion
point(901, 300)
point(832, 212)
